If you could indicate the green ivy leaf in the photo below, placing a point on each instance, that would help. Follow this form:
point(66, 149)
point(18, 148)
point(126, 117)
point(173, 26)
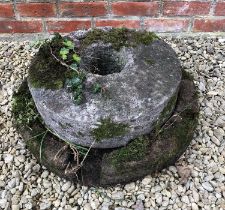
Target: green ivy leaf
point(76, 58)
point(64, 57)
point(78, 99)
point(97, 88)
point(64, 51)
point(69, 44)
point(76, 81)
point(74, 66)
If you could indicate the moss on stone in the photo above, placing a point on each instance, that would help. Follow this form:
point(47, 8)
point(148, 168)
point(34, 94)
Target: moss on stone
point(119, 37)
point(45, 71)
point(27, 119)
point(187, 75)
point(134, 151)
point(23, 107)
point(159, 149)
point(109, 129)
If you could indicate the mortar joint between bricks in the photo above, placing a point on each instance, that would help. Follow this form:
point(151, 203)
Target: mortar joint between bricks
point(93, 22)
point(57, 8)
point(109, 8)
point(17, 16)
point(142, 26)
point(44, 26)
point(212, 7)
point(191, 23)
point(160, 12)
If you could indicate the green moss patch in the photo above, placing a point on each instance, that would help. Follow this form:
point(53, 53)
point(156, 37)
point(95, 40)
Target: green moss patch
point(45, 71)
point(135, 151)
point(48, 72)
point(186, 75)
point(109, 129)
point(23, 107)
point(119, 37)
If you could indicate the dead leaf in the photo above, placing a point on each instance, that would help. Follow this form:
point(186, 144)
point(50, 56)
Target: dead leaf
point(184, 173)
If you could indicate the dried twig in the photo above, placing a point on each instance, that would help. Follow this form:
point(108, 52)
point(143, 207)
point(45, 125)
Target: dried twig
point(176, 116)
point(87, 153)
point(58, 154)
point(42, 140)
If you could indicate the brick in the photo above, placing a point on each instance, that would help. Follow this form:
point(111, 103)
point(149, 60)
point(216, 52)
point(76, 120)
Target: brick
point(186, 8)
point(20, 26)
point(166, 25)
point(135, 8)
point(118, 23)
point(36, 9)
point(6, 10)
point(220, 9)
point(67, 26)
point(82, 9)
point(210, 25)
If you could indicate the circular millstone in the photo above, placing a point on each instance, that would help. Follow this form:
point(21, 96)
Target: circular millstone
point(140, 90)
point(142, 156)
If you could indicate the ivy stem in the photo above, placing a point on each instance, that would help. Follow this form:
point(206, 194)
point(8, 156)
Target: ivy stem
point(63, 63)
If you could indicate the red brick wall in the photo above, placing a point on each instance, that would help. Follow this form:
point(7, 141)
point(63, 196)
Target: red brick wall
point(27, 16)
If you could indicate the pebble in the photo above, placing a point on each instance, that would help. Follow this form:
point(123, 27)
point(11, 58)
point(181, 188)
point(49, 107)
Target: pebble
point(46, 205)
point(129, 187)
point(87, 206)
point(15, 207)
point(207, 186)
point(8, 158)
point(118, 195)
point(3, 203)
point(194, 206)
point(66, 186)
point(95, 204)
point(146, 181)
point(21, 158)
point(195, 196)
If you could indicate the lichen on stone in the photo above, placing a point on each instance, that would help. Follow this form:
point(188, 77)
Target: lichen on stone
point(109, 129)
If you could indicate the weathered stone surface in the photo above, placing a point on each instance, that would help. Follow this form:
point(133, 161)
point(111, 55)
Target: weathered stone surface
point(142, 156)
point(149, 78)
point(161, 148)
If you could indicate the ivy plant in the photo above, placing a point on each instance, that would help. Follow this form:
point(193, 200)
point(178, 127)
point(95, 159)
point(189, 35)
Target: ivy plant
point(69, 56)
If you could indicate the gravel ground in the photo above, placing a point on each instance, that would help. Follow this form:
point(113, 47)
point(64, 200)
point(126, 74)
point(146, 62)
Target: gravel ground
point(196, 182)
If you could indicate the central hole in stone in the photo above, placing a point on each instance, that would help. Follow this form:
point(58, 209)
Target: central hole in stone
point(103, 60)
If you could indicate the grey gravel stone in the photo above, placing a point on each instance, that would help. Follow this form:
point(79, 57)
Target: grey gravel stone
point(118, 195)
point(207, 186)
point(87, 206)
point(8, 158)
